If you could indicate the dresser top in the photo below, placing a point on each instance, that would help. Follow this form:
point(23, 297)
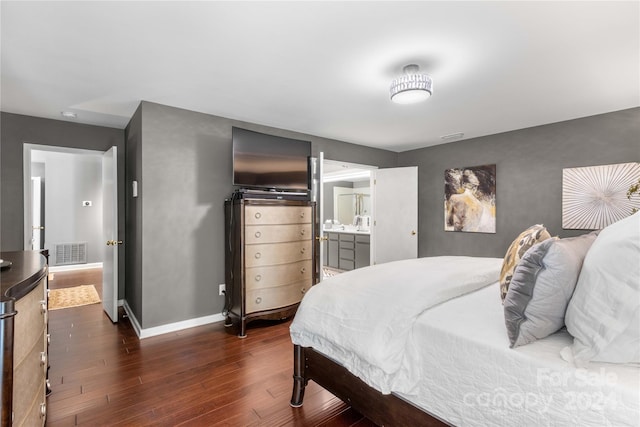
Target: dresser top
point(27, 269)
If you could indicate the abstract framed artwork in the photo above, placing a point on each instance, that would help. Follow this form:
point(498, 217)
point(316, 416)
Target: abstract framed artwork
point(470, 199)
point(596, 196)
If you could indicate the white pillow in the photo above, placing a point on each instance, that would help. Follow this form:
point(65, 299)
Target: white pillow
point(603, 315)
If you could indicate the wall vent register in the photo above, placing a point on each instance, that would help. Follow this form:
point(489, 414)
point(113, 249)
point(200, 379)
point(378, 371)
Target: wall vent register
point(70, 253)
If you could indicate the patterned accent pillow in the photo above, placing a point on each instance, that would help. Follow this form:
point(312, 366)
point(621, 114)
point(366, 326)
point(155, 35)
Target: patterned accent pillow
point(529, 237)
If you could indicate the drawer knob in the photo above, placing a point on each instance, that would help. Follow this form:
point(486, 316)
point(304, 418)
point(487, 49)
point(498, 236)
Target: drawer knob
point(258, 277)
point(302, 214)
point(258, 215)
point(302, 250)
point(258, 255)
point(258, 234)
point(43, 410)
point(302, 232)
point(43, 358)
point(48, 339)
point(302, 270)
point(258, 300)
point(43, 307)
point(303, 290)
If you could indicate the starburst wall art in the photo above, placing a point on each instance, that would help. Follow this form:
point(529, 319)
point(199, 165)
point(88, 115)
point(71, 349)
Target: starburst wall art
point(596, 196)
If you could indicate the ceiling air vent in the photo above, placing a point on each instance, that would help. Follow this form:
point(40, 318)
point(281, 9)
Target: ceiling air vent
point(71, 253)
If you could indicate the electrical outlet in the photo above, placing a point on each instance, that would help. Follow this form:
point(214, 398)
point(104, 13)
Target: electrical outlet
point(221, 289)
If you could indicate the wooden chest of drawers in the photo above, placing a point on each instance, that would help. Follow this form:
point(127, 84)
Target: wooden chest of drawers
point(269, 258)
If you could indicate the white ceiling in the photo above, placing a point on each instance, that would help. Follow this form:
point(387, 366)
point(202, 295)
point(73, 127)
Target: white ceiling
point(324, 68)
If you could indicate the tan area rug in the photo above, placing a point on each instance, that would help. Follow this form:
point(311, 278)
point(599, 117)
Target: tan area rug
point(73, 297)
point(329, 272)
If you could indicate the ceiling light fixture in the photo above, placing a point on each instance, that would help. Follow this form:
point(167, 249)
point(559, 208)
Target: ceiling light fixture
point(412, 87)
point(69, 114)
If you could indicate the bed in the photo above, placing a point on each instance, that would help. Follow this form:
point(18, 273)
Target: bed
point(425, 342)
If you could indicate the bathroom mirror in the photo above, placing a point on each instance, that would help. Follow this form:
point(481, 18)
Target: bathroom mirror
point(346, 191)
point(350, 204)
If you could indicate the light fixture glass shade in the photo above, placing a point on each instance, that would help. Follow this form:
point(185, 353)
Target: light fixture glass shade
point(412, 87)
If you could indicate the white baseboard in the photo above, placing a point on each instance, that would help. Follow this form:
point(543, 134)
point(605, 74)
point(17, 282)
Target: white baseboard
point(132, 318)
point(170, 327)
point(72, 267)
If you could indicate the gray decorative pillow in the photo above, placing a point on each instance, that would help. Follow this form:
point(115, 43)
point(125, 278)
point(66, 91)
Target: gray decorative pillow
point(541, 287)
point(529, 237)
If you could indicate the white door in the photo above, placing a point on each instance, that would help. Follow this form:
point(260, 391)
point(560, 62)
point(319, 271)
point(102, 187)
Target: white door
point(110, 233)
point(320, 215)
point(36, 213)
point(395, 214)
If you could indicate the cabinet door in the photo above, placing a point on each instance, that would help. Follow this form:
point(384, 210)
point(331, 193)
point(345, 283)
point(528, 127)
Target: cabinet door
point(325, 251)
point(346, 259)
point(363, 249)
point(333, 250)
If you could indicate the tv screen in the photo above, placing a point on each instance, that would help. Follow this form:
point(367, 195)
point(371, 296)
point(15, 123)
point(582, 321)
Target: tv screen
point(270, 162)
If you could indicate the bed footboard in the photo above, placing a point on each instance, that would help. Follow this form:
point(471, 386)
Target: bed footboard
point(382, 409)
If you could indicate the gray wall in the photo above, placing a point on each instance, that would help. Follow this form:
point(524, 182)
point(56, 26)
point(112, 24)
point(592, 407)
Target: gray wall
point(70, 180)
point(174, 238)
point(16, 130)
point(183, 165)
point(529, 165)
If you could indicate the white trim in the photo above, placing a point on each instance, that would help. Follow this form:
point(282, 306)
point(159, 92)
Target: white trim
point(73, 267)
point(170, 327)
point(26, 191)
point(27, 147)
point(132, 318)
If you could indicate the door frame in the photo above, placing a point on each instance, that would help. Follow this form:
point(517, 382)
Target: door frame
point(349, 168)
point(26, 180)
point(36, 200)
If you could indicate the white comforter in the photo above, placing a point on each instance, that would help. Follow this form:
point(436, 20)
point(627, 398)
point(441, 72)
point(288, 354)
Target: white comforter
point(372, 343)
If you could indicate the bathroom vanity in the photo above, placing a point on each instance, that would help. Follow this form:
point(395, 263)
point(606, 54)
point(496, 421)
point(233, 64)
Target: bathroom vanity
point(347, 249)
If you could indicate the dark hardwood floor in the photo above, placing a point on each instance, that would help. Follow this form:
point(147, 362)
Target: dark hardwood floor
point(102, 374)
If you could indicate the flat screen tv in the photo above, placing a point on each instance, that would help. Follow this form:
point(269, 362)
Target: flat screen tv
point(269, 162)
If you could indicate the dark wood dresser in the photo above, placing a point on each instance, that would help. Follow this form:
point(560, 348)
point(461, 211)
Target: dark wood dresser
point(23, 332)
point(269, 258)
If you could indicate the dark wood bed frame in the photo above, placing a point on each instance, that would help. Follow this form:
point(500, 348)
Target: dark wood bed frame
point(382, 409)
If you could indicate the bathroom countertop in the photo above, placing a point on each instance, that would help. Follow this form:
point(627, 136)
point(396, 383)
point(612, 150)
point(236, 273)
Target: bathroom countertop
point(349, 230)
